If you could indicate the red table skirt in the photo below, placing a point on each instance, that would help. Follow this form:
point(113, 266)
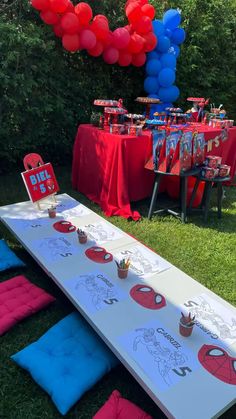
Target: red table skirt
point(109, 169)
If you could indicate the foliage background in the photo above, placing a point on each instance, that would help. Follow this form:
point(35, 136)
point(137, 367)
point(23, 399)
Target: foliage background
point(46, 92)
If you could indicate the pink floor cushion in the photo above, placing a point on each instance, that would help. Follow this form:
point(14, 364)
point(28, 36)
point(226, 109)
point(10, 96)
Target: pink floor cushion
point(18, 300)
point(118, 408)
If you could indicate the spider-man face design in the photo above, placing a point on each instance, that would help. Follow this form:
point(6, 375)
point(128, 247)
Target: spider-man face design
point(64, 226)
point(218, 363)
point(50, 185)
point(99, 254)
point(147, 297)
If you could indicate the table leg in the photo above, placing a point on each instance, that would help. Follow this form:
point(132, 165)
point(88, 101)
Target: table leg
point(207, 193)
point(154, 194)
point(183, 197)
point(194, 193)
point(219, 198)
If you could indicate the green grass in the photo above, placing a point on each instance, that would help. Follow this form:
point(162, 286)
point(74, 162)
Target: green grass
point(204, 251)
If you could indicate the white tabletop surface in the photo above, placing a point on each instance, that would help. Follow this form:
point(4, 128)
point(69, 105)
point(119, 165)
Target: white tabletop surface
point(146, 340)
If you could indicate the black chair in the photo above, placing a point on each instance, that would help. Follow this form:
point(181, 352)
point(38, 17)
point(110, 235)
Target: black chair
point(205, 203)
point(182, 214)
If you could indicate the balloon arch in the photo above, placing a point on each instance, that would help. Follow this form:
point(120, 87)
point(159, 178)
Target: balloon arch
point(142, 40)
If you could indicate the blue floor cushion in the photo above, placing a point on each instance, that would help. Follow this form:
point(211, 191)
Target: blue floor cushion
point(67, 360)
point(8, 259)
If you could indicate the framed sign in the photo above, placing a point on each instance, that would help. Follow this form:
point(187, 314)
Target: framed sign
point(40, 182)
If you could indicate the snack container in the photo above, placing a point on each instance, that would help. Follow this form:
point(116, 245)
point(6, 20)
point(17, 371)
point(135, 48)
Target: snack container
point(224, 170)
point(135, 130)
point(117, 129)
point(213, 161)
point(209, 172)
point(185, 151)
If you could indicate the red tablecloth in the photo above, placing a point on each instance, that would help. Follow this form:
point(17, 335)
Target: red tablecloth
point(109, 169)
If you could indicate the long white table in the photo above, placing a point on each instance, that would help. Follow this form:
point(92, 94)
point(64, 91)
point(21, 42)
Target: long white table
point(138, 318)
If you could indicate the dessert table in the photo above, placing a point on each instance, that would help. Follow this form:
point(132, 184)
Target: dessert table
point(109, 168)
point(138, 318)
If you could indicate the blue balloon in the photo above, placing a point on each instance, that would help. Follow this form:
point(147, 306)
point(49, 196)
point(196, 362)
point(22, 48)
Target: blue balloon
point(174, 49)
point(168, 94)
point(171, 19)
point(168, 33)
point(158, 27)
point(178, 36)
point(152, 55)
point(163, 44)
point(168, 60)
point(166, 77)
point(151, 85)
point(153, 67)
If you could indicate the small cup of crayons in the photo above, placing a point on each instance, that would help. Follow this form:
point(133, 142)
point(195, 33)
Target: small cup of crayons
point(123, 268)
point(82, 236)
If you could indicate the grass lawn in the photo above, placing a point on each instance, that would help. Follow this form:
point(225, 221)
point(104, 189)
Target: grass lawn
point(204, 251)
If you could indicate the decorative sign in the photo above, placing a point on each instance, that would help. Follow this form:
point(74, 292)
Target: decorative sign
point(161, 354)
point(40, 182)
point(95, 291)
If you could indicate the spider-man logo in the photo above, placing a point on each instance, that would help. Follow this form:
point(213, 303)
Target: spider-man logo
point(99, 254)
point(218, 363)
point(50, 185)
point(147, 297)
point(64, 226)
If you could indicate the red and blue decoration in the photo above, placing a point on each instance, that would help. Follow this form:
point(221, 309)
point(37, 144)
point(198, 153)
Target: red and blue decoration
point(218, 363)
point(98, 254)
point(147, 297)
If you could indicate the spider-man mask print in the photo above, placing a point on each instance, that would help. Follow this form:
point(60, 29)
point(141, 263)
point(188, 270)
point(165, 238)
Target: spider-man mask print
point(64, 226)
point(99, 254)
point(147, 297)
point(218, 363)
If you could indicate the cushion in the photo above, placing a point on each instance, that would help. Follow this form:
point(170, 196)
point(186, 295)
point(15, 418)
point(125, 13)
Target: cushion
point(19, 299)
point(118, 408)
point(67, 360)
point(8, 259)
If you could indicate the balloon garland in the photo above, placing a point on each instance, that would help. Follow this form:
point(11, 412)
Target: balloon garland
point(161, 62)
point(78, 30)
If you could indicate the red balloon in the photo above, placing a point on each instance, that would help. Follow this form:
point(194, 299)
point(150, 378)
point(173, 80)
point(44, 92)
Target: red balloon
point(150, 41)
point(57, 29)
point(40, 4)
point(70, 23)
point(84, 13)
point(59, 6)
point(136, 44)
point(87, 39)
point(108, 41)
point(148, 10)
point(111, 55)
point(100, 17)
point(121, 38)
point(143, 25)
point(49, 17)
point(71, 42)
point(129, 29)
point(97, 50)
point(133, 12)
point(139, 59)
point(125, 59)
point(70, 7)
point(101, 29)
